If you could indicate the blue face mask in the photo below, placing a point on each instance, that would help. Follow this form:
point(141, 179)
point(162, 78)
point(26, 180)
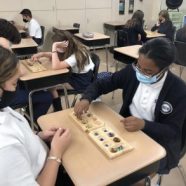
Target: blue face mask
point(146, 80)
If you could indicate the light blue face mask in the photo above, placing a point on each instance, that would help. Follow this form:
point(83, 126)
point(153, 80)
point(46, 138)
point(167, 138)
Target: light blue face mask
point(145, 79)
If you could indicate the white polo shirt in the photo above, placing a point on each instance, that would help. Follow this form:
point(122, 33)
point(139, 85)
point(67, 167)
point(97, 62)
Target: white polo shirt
point(144, 101)
point(22, 153)
point(34, 29)
point(72, 62)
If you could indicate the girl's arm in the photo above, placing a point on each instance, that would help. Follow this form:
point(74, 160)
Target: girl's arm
point(59, 144)
point(37, 56)
point(58, 47)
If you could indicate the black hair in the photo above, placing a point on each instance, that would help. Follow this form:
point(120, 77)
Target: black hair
point(137, 19)
point(160, 50)
point(26, 12)
point(9, 31)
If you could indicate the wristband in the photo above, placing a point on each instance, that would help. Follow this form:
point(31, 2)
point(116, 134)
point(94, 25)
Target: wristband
point(55, 158)
point(54, 51)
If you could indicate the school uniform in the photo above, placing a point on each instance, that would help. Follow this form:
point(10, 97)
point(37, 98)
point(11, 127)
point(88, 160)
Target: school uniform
point(34, 30)
point(79, 80)
point(41, 101)
point(165, 28)
point(133, 33)
point(169, 109)
point(22, 153)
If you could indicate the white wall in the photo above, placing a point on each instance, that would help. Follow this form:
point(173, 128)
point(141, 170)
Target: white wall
point(91, 14)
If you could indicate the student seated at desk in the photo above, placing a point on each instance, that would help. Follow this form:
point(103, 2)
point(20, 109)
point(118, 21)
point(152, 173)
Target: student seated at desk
point(68, 52)
point(150, 103)
point(24, 158)
point(134, 26)
point(164, 25)
point(32, 26)
point(41, 100)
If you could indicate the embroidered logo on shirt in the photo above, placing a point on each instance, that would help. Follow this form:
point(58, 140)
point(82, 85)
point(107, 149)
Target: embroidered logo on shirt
point(166, 108)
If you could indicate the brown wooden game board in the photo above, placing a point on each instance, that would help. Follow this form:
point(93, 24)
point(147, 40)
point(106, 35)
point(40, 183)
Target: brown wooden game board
point(103, 136)
point(34, 66)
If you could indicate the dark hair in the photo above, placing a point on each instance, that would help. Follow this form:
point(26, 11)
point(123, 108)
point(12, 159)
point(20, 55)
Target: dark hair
point(164, 14)
point(160, 50)
point(9, 31)
point(137, 18)
point(74, 47)
point(26, 12)
point(8, 64)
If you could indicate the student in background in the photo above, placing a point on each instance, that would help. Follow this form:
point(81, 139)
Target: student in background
point(32, 26)
point(41, 100)
point(8, 34)
point(68, 52)
point(164, 25)
point(181, 34)
point(23, 154)
point(149, 100)
point(134, 26)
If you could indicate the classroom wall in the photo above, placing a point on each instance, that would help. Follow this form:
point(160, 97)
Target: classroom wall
point(91, 14)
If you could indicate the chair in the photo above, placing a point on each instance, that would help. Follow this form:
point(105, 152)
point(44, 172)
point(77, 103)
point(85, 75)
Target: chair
point(181, 55)
point(76, 25)
point(96, 60)
point(173, 33)
point(43, 35)
point(122, 38)
point(182, 153)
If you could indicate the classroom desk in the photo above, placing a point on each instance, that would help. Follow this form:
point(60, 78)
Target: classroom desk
point(88, 166)
point(98, 40)
point(70, 29)
point(112, 27)
point(126, 54)
point(36, 81)
point(26, 47)
point(151, 35)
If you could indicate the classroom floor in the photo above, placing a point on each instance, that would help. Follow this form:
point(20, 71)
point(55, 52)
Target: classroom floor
point(174, 178)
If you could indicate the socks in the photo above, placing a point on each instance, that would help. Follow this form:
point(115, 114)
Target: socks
point(57, 104)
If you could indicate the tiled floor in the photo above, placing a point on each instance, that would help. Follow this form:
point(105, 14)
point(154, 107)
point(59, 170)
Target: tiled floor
point(174, 178)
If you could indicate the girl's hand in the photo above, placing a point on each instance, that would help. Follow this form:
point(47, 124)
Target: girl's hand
point(36, 57)
point(81, 107)
point(60, 46)
point(60, 142)
point(47, 135)
point(133, 124)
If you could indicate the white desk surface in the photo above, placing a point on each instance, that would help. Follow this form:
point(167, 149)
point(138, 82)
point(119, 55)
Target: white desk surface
point(97, 36)
point(131, 51)
point(28, 75)
point(151, 34)
point(66, 28)
point(84, 161)
point(26, 42)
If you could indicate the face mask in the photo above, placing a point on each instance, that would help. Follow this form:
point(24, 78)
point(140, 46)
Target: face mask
point(147, 80)
point(7, 98)
point(25, 20)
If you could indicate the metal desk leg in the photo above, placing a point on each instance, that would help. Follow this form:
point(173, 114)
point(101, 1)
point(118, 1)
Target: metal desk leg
point(31, 105)
point(66, 96)
point(115, 38)
point(106, 53)
point(31, 109)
